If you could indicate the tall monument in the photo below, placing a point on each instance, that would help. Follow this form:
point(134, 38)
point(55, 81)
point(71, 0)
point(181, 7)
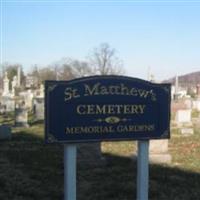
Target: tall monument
point(6, 91)
point(18, 76)
point(14, 84)
point(176, 88)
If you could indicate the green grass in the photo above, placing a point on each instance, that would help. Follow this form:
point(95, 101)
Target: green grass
point(195, 113)
point(7, 118)
point(31, 170)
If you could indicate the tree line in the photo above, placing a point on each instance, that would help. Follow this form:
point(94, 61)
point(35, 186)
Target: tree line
point(102, 60)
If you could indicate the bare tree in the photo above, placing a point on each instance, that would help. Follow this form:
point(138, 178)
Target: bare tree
point(80, 68)
point(104, 61)
point(70, 68)
point(47, 73)
point(43, 73)
point(65, 72)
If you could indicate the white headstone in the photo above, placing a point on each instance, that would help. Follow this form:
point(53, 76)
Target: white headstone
point(172, 91)
point(21, 116)
point(159, 151)
point(2, 109)
point(8, 103)
point(38, 108)
point(176, 85)
point(188, 103)
point(176, 95)
point(183, 116)
point(27, 96)
point(41, 90)
point(14, 85)
point(196, 105)
point(187, 131)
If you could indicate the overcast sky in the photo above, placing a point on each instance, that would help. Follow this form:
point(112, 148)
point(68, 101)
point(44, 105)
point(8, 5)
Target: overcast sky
point(161, 35)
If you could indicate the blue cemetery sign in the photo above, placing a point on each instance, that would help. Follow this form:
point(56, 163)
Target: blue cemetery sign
point(101, 108)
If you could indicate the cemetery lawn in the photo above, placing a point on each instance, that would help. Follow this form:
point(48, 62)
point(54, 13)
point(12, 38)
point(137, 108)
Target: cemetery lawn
point(31, 170)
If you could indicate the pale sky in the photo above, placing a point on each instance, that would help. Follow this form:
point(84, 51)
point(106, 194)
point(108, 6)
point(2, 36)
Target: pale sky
point(161, 35)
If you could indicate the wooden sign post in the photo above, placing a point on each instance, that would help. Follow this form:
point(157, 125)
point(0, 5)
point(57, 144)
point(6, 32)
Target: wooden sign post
point(106, 108)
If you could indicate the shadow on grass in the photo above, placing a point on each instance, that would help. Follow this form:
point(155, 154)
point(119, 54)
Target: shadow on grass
point(31, 170)
point(117, 181)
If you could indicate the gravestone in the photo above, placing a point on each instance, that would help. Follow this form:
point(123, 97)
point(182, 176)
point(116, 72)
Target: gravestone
point(9, 103)
point(178, 105)
point(196, 105)
point(28, 98)
point(2, 109)
point(158, 150)
point(188, 103)
point(19, 76)
point(6, 91)
point(183, 117)
point(14, 85)
point(187, 131)
point(41, 91)
point(21, 116)
point(38, 108)
point(172, 92)
point(5, 132)
point(176, 95)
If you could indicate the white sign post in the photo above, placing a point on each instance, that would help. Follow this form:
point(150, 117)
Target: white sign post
point(70, 172)
point(143, 170)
